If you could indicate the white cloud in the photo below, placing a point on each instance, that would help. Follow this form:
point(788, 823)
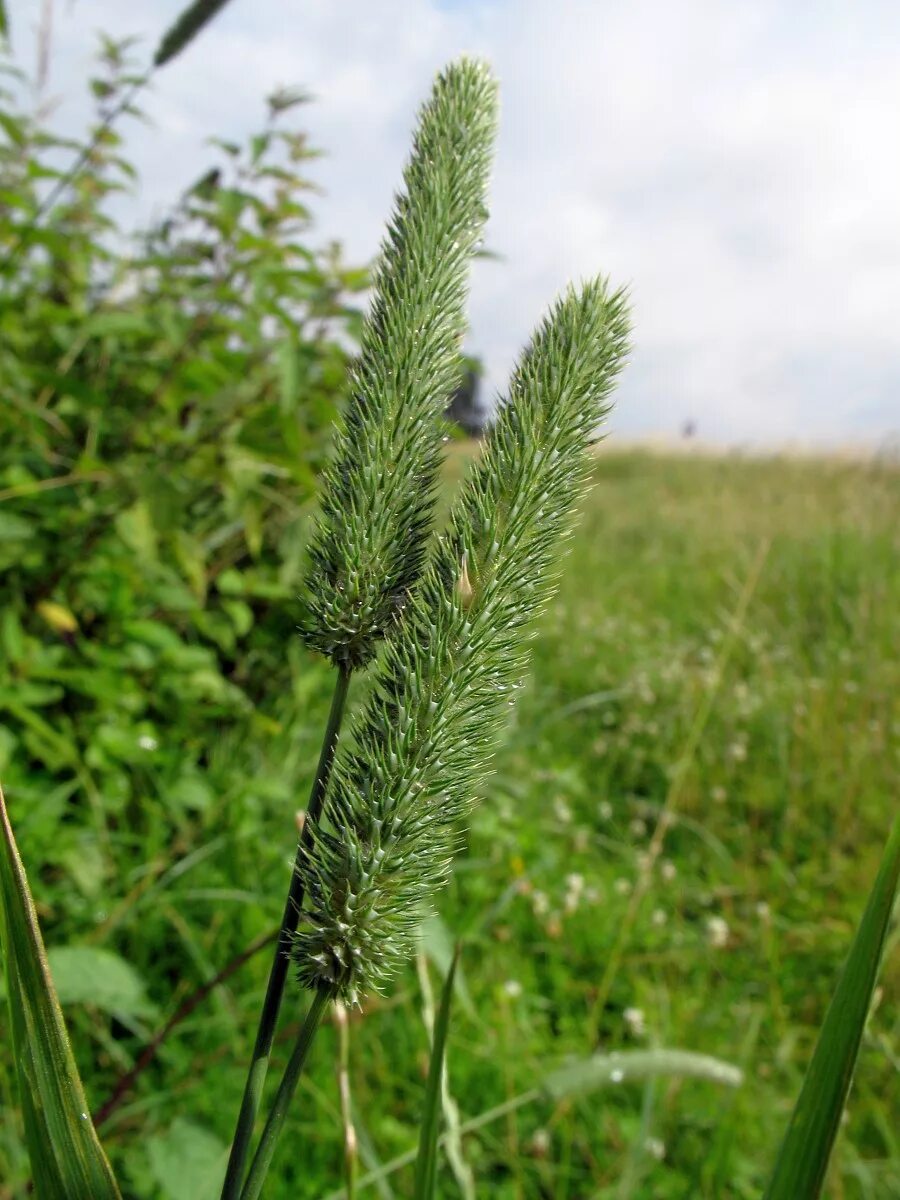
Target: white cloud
point(734, 164)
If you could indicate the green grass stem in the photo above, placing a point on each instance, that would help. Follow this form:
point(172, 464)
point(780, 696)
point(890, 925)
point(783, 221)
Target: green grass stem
point(268, 1020)
point(283, 1097)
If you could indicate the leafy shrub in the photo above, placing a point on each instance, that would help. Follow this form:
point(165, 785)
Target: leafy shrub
point(165, 404)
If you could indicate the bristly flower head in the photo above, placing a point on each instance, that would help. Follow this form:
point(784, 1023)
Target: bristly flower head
point(422, 744)
point(378, 492)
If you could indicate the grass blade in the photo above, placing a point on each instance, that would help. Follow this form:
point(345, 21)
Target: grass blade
point(579, 1079)
point(803, 1157)
point(627, 1066)
point(67, 1160)
point(426, 1160)
point(185, 28)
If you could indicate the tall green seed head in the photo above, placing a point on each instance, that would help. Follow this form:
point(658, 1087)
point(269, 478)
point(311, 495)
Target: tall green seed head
point(420, 749)
point(368, 547)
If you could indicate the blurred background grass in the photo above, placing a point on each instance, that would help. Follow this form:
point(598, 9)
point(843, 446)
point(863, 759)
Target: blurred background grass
point(749, 609)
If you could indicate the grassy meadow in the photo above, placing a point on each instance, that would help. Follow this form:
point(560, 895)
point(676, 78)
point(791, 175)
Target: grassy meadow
point(673, 851)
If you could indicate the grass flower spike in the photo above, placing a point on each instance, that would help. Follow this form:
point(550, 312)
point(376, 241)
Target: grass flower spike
point(378, 493)
point(420, 747)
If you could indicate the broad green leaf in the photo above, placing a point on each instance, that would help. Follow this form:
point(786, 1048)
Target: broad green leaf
point(91, 975)
point(67, 1161)
point(806, 1149)
point(426, 1161)
point(187, 1161)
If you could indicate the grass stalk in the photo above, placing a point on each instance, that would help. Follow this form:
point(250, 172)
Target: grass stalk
point(265, 1035)
point(351, 1157)
point(269, 1138)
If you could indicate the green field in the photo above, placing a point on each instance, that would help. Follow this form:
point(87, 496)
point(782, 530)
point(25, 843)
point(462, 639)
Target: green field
point(673, 851)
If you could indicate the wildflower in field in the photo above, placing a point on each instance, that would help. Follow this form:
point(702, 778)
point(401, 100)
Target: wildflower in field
point(622, 887)
point(659, 918)
point(635, 1020)
point(572, 899)
point(512, 988)
point(717, 932)
point(655, 1148)
point(561, 811)
point(539, 1143)
point(668, 870)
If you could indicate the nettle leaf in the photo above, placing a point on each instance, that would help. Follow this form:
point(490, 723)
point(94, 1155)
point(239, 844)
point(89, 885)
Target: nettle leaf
point(67, 1160)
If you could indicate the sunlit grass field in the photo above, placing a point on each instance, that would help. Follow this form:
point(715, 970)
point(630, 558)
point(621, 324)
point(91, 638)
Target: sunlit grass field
point(673, 852)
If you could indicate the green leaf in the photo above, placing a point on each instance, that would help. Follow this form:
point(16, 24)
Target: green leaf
point(14, 528)
point(426, 1162)
point(805, 1151)
point(67, 1160)
point(135, 528)
point(90, 975)
point(187, 1161)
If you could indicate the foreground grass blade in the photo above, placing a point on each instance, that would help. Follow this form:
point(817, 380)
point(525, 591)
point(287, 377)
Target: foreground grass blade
point(185, 29)
point(803, 1158)
point(67, 1160)
point(426, 1161)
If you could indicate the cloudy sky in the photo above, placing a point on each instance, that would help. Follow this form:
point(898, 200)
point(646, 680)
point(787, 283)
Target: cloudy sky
point(734, 162)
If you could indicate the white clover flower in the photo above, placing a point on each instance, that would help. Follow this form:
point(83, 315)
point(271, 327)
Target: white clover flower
point(717, 932)
point(635, 1020)
point(622, 887)
point(605, 810)
point(668, 870)
point(659, 918)
point(655, 1148)
point(513, 989)
point(540, 1143)
point(562, 811)
point(146, 742)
